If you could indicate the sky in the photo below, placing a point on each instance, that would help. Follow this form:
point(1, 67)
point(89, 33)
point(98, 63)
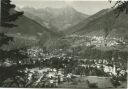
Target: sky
point(88, 7)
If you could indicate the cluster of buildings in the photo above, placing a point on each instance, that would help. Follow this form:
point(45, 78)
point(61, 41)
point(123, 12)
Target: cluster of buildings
point(98, 41)
point(111, 69)
point(49, 77)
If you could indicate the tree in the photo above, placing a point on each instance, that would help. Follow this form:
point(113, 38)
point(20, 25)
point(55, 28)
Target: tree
point(8, 16)
point(120, 6)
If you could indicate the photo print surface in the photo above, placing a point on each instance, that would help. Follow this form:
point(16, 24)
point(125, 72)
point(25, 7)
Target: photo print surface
point(63, 44)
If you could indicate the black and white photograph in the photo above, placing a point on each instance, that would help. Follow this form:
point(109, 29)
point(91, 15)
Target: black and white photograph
point(64, 44)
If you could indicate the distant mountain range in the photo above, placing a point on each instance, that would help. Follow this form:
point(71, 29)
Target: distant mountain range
point(55, 18)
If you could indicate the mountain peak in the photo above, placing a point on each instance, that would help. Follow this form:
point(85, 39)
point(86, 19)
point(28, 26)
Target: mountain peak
point(58, 18)
point(64, 8)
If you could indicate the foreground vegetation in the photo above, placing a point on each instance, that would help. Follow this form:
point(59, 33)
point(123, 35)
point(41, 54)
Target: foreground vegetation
point(55, 68)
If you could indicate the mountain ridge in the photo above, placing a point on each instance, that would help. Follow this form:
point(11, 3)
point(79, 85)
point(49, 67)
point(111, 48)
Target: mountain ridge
point(28, 29)
point(102, 21)
point(56, 18)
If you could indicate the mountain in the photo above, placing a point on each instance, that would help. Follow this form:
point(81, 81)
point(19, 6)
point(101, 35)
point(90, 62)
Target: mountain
point(105, 22)
point(55, 18)
point(28, 30)
point(104, 30)
point(82, 25)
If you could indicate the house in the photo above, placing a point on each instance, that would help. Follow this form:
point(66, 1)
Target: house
point(109, 69)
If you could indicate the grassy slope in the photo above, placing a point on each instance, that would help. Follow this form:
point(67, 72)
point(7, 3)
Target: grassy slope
point(83, 23)
point(30, 28)
point(96, 24)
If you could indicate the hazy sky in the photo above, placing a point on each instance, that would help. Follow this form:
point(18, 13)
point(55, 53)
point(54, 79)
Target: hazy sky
point(87, 7)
